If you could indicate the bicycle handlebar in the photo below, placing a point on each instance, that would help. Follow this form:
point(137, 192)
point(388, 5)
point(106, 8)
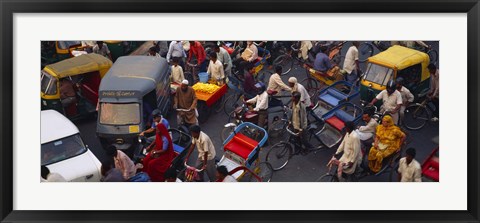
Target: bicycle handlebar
point(291, 132)
point(196, 170)
point(183, 110)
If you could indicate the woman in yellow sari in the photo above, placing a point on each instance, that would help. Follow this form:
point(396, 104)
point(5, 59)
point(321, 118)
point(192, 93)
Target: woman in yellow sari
point(388, 140)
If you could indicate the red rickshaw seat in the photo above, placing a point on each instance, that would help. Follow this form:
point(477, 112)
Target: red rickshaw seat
point(241, 145)
point(335, 122)
point(431, 169)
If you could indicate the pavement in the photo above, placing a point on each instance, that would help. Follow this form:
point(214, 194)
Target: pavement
point(301, 168)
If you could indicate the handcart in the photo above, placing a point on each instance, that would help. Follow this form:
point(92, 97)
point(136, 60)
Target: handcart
point(241, 149)
point(207, 101)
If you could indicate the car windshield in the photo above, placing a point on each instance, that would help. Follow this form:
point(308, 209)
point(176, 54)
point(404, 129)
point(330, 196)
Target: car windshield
point(48, 84)
point(62, 149)
point(119, 114)
point(67, 44)
point(378, 74)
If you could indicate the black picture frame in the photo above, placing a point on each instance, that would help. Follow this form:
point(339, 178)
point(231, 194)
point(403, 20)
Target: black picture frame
point(8, 8)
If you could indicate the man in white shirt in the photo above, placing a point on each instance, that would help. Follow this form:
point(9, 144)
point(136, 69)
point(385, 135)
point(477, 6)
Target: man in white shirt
point(292, 81)
point(351, 64)
point(409, 170)
point(352, 157)
point(368, 131)
point(407, 97)
point(249, 55)
point(88, 46)
point(223, 176)
point(177, 71)
point(275, 82)
point(102, 49)
point(224, 58)
point(153, 52)
point(261, 103)
point(392, 100)
point(215, 69)
point(206, 152)
point(176, 50)
point(434, 89)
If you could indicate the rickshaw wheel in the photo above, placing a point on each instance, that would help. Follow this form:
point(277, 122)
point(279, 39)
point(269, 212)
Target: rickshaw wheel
point(277, 131)
point(286, 62)
point(265, 171)
point(226, 131)
point(279, 155)
point(328, 178)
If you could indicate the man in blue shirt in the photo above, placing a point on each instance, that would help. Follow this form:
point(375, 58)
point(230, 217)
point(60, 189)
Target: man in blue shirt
point(157, 119)
point(322, 62)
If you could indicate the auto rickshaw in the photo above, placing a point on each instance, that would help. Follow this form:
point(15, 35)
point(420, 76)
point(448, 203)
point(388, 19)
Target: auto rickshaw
point(129, 92)
point(54, 51)
point(84, 74)
point(121, 48)
point(396, 61)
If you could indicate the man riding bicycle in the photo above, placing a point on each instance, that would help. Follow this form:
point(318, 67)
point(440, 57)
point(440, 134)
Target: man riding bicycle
point(186, 99)
point(351, 157)
point(261, 103)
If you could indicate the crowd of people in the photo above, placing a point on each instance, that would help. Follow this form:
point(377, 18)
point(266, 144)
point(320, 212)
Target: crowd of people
point(378, 140)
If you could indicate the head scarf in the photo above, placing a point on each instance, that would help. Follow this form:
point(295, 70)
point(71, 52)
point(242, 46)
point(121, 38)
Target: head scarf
point(159, 137)
point(156, 167)
point(294, 81)
point(389, 135)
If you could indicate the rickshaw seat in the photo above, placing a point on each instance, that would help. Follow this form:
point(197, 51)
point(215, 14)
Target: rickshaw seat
point(332, 97)
point(178, 149)
point(335, 122)
point(430, 169)
point(241, 145)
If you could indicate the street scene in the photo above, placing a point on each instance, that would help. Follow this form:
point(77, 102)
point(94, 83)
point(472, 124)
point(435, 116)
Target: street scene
point(240, 111)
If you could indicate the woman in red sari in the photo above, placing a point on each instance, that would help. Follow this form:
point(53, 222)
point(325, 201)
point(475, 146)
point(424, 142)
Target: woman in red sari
point(158, 159)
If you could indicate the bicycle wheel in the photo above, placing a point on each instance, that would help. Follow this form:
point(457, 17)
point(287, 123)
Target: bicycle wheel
point(328, 178)
point(416, 116)
point(218, 106)
point(226, 131)
point(277, 131)
point(365, 50)
point(286, 62)
point(279, 155)
point(311, 85)
point(433, 54)
point(230, 104)
point(264, 171)
point(314, 140)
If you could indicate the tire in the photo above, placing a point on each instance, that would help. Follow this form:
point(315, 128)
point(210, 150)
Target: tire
point(286, 62)
point(279, 155)
point(229, 104)
point(416, 116)
point(264, 171)
point(311, 85)
point(226, 131)
point(277, 131)
point(365, 50)
point(314, 140)
point(328, 178)
point(433, 54)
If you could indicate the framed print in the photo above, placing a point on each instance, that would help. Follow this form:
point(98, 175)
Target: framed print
point(136, 94)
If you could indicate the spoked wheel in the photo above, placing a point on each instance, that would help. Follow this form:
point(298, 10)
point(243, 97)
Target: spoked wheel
point(279, 155)
point(265, 171)
point(230, 104)
point(218, 106)
point(416, 116)
point(314, 140)
point(286, 62)
point(433, 54)
point(277, 131)
point(328, 178)
point(365, 50)
point(311, 85)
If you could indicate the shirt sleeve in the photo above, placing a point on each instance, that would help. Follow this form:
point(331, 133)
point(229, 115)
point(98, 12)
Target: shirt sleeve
point(399, 99)
point(400, 165)
point(355, 53)
point(209, 69)
point(170, 50)
point(253, 100)
point(418, 175)
point(106, 48)
point(380, 95)
point(165, 143)
point(410, 96)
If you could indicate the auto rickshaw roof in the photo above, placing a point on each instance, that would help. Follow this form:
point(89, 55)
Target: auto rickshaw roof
point(78, 65)
point(399, 57)
point(135, 73)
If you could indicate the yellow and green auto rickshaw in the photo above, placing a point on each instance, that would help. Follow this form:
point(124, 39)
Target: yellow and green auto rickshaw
point(54, 51)
point(80, 76)
point(396, 61)
point(121, 48)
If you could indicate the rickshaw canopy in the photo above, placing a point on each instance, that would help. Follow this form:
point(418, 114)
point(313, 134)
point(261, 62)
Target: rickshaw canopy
point(135, 74)
point(79, 65)
point(399, 57)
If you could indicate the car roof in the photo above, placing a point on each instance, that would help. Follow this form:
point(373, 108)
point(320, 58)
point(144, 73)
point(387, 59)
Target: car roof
point(78, 65)
point(55, 126)
point(399, 57)
point(135, 73)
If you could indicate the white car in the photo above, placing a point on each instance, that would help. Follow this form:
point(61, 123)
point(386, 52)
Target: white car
point(63, 150)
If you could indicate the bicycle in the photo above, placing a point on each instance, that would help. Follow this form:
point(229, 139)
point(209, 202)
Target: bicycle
point(287, 60)
point(280, 154)
point(417, 115)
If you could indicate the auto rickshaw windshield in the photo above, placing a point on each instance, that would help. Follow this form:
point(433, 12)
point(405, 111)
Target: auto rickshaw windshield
point(378, 74)
point(119, 114)
point(48, 84)
point(62, 149)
